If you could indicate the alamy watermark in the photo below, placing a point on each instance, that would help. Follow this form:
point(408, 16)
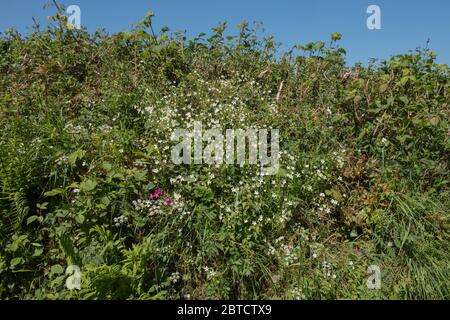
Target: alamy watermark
point(73, 281)
point(74, 17)
point(374, 20)
point(374, 279)
point(220, 147)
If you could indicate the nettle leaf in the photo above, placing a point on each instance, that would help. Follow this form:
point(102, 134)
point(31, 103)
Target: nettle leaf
point(203, 193)
point(88, 185)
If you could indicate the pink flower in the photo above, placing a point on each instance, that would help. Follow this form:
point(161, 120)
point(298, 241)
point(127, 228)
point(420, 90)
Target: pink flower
point(168, 201)
point(155, 194)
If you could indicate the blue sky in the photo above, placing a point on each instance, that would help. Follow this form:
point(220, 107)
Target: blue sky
point(405, 24)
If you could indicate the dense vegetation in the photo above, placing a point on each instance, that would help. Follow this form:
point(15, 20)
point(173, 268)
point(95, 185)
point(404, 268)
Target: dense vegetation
point(85, 126)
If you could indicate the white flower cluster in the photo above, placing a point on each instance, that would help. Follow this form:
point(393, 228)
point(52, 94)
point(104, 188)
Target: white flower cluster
point(327, 270)
point(139, 164)
point(61, 160)
point(69, 127)
point(285, 216)
point(144, 110)
point(175, 277)
point(155, 207)
point(140, 205)
point(179, 180)
point(120, 220)
point(297, 294)
point(178, 203)
point(210, 273)
point(105, 128)
point(286, 252)
point(288, 255)
point(339, 158)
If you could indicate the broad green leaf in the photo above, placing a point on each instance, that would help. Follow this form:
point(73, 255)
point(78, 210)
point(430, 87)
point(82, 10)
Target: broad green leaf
point(37, 252)
point(16, 261)
point(335, 194)
point(107, 166)
point(140, 175)
point(73, 157)
point(88, 185)
point(79, 218)
point(56, 269)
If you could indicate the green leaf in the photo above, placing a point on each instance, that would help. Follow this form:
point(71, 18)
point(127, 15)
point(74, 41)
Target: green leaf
point(149, 187)
point(56, 269)
point(37, 252)
point(107, 166)
point(42, 206)
point(319, 45)
point(140, 175)
point(88, 185)
point(67, 246)
point(32, 219)
point(281, 172)
point(73, 157)
point(404, 99)
point(336, 36)
point(16, 261)
point(433, 121)
point(335, 194)
point(80, 218)
point(390, 101)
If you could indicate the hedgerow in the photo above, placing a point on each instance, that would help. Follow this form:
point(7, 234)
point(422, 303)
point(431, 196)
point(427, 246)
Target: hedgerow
point(86, 123)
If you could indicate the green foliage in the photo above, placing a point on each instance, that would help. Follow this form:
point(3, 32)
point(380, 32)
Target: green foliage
point(86, 121)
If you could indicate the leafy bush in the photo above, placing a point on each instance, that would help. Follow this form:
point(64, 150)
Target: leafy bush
point(86, 121)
